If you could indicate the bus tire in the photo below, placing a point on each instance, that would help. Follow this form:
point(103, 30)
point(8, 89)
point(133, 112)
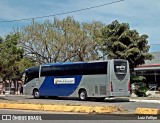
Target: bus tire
point(82, 95)
point(36, 94)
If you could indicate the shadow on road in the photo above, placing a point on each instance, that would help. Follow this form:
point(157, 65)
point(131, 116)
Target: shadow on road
point(107, 100)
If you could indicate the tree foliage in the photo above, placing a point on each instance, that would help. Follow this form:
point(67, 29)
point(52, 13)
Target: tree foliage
point(69, 40)
point(60, 41)
point(1, 39)
point(119, 42)
point(10, 57)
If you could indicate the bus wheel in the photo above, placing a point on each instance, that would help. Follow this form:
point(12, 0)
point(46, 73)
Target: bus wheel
point(36, 94)
point(83, 95)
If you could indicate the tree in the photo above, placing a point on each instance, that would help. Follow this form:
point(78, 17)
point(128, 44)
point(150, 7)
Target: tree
point(60, 41)
point(10, 55)
point(24, 64)
point(119, 42)
point(1, 39)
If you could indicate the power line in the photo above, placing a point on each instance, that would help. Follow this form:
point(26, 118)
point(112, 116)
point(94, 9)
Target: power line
point(154, 44)
point(63, 13)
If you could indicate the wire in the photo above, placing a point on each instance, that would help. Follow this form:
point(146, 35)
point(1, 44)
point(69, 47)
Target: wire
point(154, 44)
point(58, 14)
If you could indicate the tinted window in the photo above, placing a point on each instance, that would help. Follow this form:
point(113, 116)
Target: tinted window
point(46, 71)
point(102, 67)
point(32, 73)
point(33, 70)
point(59, 70)
point(89, 68)
point(74, 69)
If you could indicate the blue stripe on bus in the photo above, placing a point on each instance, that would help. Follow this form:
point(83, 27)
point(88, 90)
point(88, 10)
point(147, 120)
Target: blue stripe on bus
point(48, 88)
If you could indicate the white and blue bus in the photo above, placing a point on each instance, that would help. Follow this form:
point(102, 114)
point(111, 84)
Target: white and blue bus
point(98, 79)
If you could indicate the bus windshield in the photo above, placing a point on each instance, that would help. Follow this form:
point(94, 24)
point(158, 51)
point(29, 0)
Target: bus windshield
point(30, 74)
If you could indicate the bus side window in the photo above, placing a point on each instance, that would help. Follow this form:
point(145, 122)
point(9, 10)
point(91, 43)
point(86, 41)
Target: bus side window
point(46, 71)
point(58, 70)
point(102, 67)
point(74, 69)
point(89, 68)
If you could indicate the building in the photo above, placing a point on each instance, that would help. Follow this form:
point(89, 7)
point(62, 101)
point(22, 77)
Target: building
point(151, 70)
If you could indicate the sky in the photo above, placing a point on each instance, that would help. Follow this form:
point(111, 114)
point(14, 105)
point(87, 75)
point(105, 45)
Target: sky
point(141, 15)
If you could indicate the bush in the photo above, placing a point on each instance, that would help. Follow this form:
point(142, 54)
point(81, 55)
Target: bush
point(141, 89)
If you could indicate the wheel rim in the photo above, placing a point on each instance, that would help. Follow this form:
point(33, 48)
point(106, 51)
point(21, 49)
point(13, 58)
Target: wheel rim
point(36, 94)
point(82, 95)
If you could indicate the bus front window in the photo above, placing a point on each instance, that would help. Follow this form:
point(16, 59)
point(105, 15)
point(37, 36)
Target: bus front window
point(24, 78)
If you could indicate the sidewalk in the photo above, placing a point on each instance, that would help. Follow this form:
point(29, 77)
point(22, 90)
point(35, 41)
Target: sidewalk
point(5, 95)
point(145, 99)
point(135, 99)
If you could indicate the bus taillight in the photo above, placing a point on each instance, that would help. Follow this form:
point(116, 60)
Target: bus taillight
point(129, 86)
point(111, 87)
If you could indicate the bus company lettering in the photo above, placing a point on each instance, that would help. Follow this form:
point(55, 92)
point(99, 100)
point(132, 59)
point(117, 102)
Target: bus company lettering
point(64, 80)
point(121, 67)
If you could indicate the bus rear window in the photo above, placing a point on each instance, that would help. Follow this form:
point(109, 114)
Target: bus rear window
point(120, 69)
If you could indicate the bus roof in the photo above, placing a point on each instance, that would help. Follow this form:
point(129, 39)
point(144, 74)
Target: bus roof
point(65, 63)
point(36, 68)
point(61, 63)
point(31, 69)
point(69, 63)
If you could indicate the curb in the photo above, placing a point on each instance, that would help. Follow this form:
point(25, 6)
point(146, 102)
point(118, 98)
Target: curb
point(131, 100)
point(149, 111)
point(61, 108)
point(145, 101)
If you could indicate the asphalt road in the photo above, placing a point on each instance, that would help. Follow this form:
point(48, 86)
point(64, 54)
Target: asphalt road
point(70, 118)
point(129, 106)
